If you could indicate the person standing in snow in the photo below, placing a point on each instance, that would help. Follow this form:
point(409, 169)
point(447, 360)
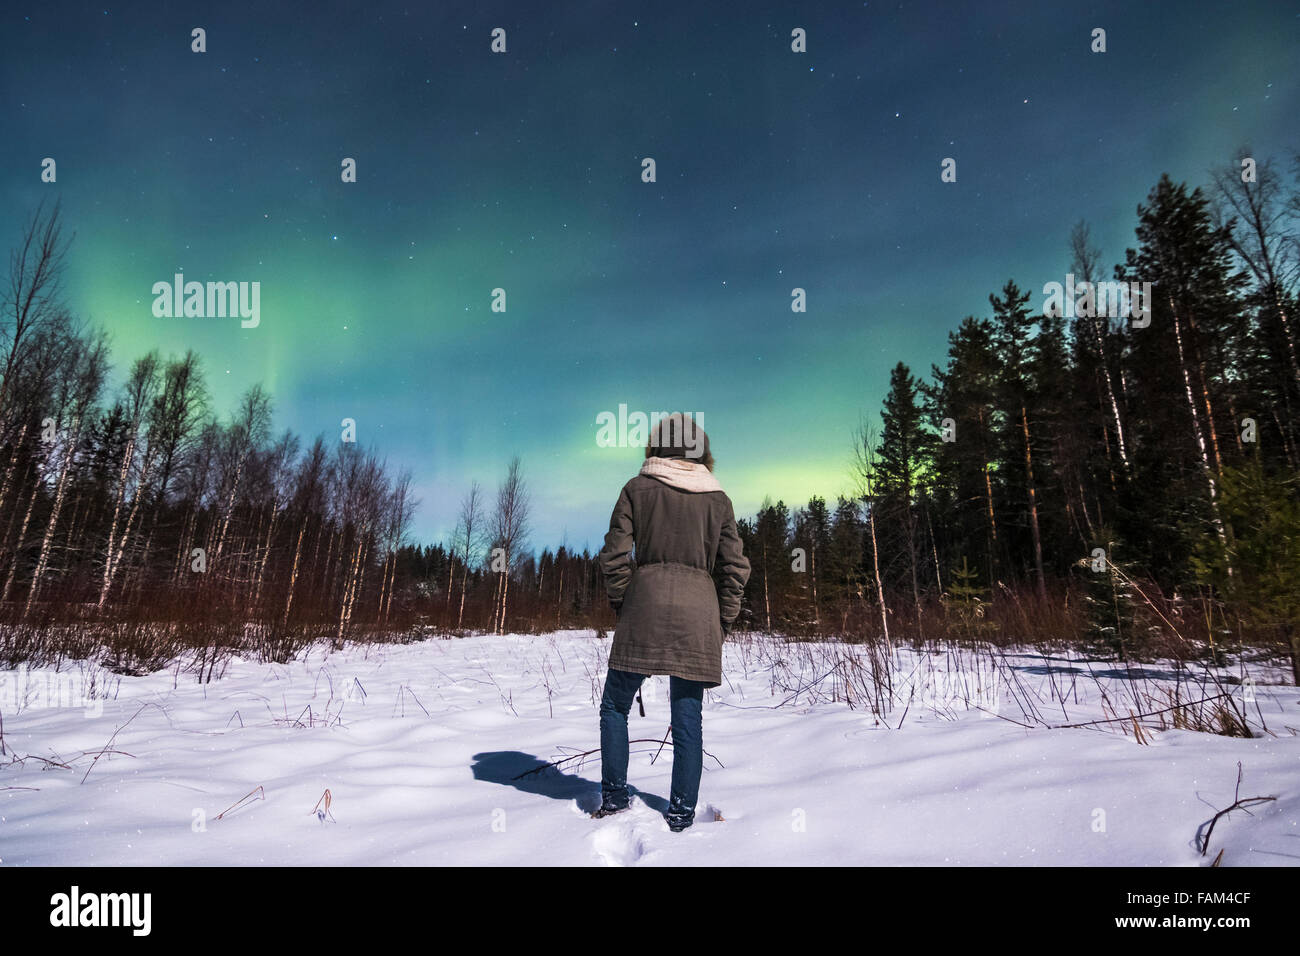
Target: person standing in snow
point(675, 601)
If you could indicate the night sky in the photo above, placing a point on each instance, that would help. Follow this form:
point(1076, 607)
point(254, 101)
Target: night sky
point(522, 170)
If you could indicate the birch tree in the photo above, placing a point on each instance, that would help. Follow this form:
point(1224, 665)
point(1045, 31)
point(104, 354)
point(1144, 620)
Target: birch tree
point(79, 390)
point(141, 391)
point(469, 539)
point(509, 533)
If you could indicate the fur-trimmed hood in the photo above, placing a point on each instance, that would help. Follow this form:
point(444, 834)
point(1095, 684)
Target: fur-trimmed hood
point(681, 473)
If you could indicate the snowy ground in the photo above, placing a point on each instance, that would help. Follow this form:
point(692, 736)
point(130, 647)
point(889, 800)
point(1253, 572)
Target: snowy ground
point(419, 746)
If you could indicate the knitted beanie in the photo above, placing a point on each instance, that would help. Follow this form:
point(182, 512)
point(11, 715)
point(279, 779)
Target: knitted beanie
point(677, 436)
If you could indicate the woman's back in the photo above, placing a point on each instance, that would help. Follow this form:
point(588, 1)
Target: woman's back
point(688, 575)
point(671, 525)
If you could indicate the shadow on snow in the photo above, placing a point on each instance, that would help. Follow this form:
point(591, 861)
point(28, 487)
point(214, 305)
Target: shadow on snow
point(505, 766)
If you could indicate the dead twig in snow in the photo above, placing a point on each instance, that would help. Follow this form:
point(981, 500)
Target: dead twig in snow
point(1132, 716)
point(588, 753)
point(107, 746)
point(240, 802)
point(323, 813)
point(1237, 804)
point(402, 691)
point(661, 746)
point(47, 760)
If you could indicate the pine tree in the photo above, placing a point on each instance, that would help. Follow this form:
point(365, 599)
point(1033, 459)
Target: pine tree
point(1183, 357)
point(811, 533)
point(1109, 600)
point(901, 462)
point(1264, 511)
point(965, 604)
point(965, 480)
point(1012, 327)
point(771, 576)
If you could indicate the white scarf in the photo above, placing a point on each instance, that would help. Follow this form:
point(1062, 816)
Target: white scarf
point(681, 473)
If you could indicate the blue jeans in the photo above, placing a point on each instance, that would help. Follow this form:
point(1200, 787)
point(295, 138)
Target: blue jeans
point(688, 742)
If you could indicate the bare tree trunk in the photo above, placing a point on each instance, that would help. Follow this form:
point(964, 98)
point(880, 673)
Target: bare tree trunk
point(1199, 435)
point(22, 535)
point(875, 569)
point(114, 559)
point(1288, 448)
point(1085, 260)
point(47, 541)
point(13, 462)
point(496, 600)
point(559, 595)
point(266, 557)
point(1083, 506)
point(451, 578)
point(934, 549)
point(911, 557)
point(293, 573)
point(767, 604)
point(13, 512)
point(228, 509)
point(464, 583)
point(988, 497)
point(345, 610)
point(329, 558)
point(383, 584)
point(1033, 506)
point(182, 545)
point(1114, 410)
point(135, 577)
point(322, 530)
point(505, 591)
point(386, 573)
point(812, 567)
point(392, 578)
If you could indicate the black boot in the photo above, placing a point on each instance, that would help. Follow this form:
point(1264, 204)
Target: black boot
point(608, 810)
point(678, 818)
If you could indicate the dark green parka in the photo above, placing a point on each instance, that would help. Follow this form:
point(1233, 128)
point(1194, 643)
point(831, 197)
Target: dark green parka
point(688, 575)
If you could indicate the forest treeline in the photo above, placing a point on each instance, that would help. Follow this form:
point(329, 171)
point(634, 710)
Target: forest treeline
point(1129, 483)
point(1130, 487)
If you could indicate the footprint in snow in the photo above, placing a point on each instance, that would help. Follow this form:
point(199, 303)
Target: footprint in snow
point(621, 840)
point(618, 844)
